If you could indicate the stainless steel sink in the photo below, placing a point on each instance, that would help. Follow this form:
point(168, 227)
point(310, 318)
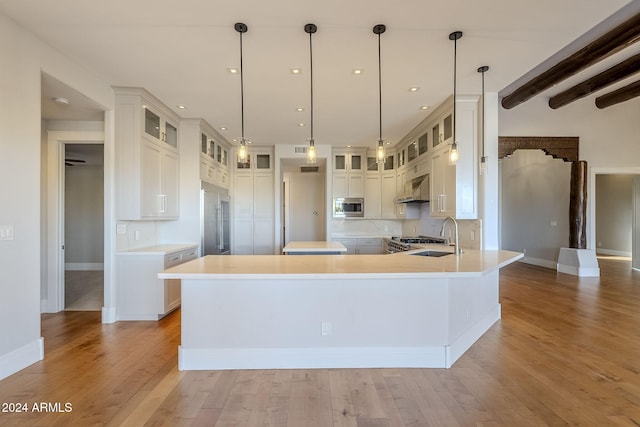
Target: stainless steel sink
point(429, 252)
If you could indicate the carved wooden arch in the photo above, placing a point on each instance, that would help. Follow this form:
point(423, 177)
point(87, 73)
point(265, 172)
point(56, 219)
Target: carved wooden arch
point(565, 148)
point(559, 147)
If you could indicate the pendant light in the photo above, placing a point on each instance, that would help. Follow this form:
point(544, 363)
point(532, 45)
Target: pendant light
point(311, 151)
point(483, 159)
point(243, 155)
point(453, 153)
point(380, 151)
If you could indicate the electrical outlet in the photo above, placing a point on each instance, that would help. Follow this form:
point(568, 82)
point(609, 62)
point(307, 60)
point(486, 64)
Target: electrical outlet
point(121, 228)
point(326, 329)
point(6, 232)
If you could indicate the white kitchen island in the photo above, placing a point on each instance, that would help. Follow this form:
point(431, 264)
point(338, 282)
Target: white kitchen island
point(335, 311)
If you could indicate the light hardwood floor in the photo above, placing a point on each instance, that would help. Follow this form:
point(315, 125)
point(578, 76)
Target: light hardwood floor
point(566, 352)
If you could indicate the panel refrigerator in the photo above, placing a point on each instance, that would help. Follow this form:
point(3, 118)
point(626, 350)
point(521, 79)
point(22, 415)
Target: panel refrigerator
point(214, 217)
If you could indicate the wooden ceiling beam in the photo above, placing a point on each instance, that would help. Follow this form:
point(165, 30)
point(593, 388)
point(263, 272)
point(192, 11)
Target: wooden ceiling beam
point(608, 77)
point(620, 95)
point(611, 42)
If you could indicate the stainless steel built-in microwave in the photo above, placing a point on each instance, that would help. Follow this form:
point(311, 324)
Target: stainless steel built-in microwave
point(344, 207)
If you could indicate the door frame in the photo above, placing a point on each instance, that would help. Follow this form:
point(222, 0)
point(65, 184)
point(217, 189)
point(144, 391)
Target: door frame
point(56, 142)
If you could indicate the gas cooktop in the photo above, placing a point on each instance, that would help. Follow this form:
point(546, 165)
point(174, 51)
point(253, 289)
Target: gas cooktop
point(419, 239)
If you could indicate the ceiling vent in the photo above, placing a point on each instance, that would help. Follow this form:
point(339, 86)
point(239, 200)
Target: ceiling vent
point(304, 169)
point(300, 149)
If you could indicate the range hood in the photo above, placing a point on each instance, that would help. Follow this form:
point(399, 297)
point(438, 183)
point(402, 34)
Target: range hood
point(415, 191)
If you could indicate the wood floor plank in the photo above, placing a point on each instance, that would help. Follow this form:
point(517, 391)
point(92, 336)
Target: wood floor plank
point(564, 353)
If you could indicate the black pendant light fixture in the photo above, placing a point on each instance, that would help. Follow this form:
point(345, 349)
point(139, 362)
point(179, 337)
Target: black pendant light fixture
point(311, 151)
point(380, 151)
point(243, 155)
point(453, 153)
point(483, 159)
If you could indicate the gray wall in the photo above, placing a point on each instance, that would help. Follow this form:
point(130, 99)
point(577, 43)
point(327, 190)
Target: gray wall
point(84, 215)
point(535, 205)
point(614, 211)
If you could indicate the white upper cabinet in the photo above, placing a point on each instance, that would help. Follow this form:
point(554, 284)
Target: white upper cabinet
point(348, 173)
point(213, 156)
point(146, 157)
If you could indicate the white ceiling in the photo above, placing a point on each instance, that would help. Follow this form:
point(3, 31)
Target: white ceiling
point(181, 51)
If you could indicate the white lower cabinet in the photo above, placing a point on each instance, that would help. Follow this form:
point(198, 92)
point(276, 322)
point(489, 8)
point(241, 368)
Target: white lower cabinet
point(141, 295)
point(363, 245)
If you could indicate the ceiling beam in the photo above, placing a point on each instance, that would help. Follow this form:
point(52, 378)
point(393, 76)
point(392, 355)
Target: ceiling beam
point(611, 42)
point(608, 77)
point(620, 95)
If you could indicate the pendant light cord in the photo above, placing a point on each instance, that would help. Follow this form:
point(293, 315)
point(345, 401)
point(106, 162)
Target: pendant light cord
point(380, 86)
point(241, 90)
point(482, 114)
point(311, 79)
point(455, 56)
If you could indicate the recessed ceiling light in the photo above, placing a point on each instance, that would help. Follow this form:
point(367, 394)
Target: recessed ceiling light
point(388, 142)
point(357, 71)
point(223, 128)
point(248, 141)
point(348, 146)
point(61, 100)
point(424, 107)
point(296, 71)
point(235, 140)
point(181, 107)
point(301, 124)
point(299, 109)
point(414, 89)
point(233, 70)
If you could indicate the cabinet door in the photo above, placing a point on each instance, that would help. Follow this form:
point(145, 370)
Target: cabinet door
point(243, 236)
point(340, 185)
point(387, 195)
point(171, 134)
point(356, 185)
point(170, 198)
point(243, 194)
point(151, 177)
point(263, 236)
point(372, 197)
point(443, 180)
point(171, 294)
point(263, 195)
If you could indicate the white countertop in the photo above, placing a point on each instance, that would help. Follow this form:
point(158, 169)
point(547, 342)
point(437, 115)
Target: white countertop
point(314, 246)
point(402, 265)
point(159, 249)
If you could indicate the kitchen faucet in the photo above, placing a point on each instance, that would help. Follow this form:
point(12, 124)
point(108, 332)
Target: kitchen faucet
point(458, 249)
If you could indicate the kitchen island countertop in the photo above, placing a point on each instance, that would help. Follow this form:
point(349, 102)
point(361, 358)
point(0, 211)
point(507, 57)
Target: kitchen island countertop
point(401, 265)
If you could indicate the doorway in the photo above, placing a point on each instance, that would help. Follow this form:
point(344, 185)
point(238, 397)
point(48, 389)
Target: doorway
point(617, 213)
point(304, 195)
point(83, 204)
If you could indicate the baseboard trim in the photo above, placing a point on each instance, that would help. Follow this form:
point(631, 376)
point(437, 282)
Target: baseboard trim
point(109, 315)
point(21, 358)
point(470, 336)
point(84, 266)
point(310, 358)
point(539, 262)
point(612, 252)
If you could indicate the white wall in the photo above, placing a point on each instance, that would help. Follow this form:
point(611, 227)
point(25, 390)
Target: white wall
point(24, 58)
point(535, 205)
point(608, 141)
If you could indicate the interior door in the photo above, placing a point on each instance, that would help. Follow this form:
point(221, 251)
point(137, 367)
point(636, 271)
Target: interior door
point(306, 207)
